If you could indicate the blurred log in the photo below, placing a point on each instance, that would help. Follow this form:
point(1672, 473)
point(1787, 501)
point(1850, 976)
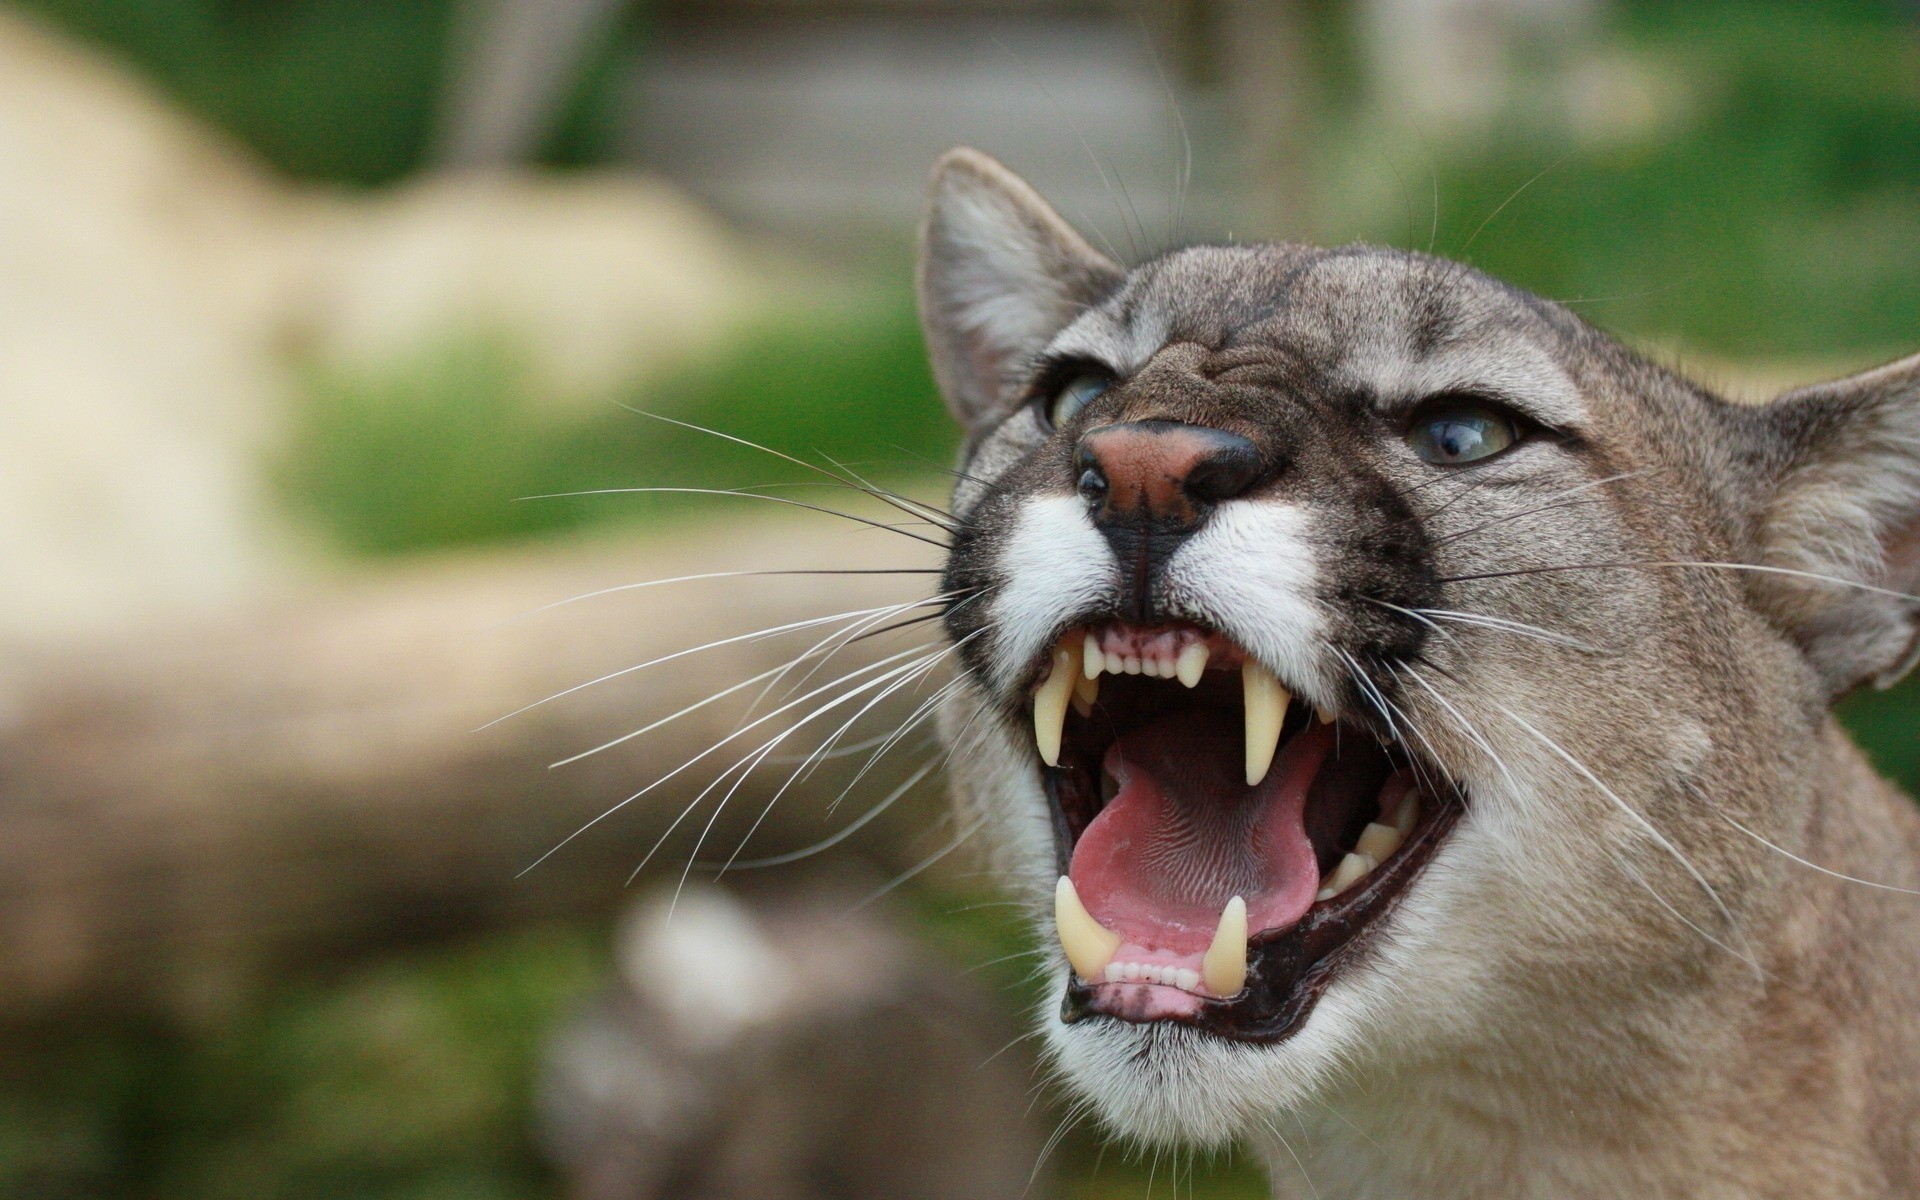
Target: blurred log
point(187, 810)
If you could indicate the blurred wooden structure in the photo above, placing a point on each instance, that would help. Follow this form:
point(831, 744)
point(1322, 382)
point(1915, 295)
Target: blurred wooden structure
point(189, 809)
point(1148, 122)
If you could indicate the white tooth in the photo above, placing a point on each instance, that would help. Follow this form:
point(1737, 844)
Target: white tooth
point(1224, 967)
point(1113, 973)
point(1266, 710)
point(1089, 944)
point(1378, 841)
point(1186, 979)
point(1352, 868)
point(1162, 669)
point(1130, 665)
point(1192, 663)
point(1092, 658)
point(1085, 692)
point(1050, 703)
point(1408, 813)
point(1130, 972)
point(1115, 664)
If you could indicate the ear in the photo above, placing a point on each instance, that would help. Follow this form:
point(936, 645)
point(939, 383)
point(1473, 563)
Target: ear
point(1845, 474)
point(1000, 273)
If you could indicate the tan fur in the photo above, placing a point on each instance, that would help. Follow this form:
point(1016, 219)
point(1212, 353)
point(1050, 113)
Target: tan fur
point(1672, 949)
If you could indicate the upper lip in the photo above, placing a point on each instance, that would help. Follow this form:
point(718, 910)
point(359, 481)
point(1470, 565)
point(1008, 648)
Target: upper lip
point(1254, 981)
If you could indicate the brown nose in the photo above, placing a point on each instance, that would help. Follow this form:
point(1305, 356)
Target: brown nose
point(1161, 472)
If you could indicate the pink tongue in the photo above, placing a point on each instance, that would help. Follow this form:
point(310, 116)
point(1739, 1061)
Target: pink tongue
point(1185, 834)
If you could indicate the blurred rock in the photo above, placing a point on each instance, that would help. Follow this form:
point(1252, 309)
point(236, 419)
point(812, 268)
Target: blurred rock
point(138, 265)
point(777, 1046)
point(596, 280)
point(159, 291)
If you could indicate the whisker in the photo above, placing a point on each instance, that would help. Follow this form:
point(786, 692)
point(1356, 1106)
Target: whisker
point(1633, 814)
point(835, 838)
point(1504, 625)
point(1789, 571)
point(743, 495)
point(723, 741)
point(1557, 503)
point(653, 583)
point(922, 865)
point(877, 493)
point(1885, 887)
point(844, 697)
point(810, 622)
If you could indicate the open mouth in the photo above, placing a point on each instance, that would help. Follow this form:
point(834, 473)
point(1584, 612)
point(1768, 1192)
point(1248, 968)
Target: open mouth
point(1225, 851)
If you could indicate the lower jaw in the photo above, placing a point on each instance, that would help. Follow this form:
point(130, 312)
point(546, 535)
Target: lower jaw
point(1288, 970)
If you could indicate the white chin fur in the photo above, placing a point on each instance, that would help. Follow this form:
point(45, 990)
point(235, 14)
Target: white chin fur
point(1166, 1083)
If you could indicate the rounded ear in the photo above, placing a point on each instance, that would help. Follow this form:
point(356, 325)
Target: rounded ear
point(999, 274)
point(1845, 506)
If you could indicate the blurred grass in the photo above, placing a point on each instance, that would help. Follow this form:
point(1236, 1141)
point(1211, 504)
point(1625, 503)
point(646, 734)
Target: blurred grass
point(409, 1078)
point(450, 447)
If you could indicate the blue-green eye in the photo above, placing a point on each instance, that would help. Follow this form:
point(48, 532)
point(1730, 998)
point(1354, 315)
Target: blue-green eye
point(1075, 395)
point(1452, 432)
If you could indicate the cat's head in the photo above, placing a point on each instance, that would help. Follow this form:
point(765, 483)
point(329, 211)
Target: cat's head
point(1427, 559)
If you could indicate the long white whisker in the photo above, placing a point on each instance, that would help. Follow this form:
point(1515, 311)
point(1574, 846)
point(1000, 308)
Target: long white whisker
point(1725, 566)
point(654, 583)
point(922, 865)
point(1466, 727)
point(764, 748)
point(709, 750)
point(1885, 887)
point(834, 839)
point(734, 492)
point(1504, 625)
point(775, 631)
point(1659, 838)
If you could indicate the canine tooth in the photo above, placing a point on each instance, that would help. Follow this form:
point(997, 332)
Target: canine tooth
point(1085, 692)
point(1088, 943)
point(1266, 710)
point(1092, 659)
point(1186, 979)
point(1352, 868)
point(1378, 841)
point(1192, 663)
point(1050, 704)
point(1408, 813)
point(1224, 966)
point(1326, 718)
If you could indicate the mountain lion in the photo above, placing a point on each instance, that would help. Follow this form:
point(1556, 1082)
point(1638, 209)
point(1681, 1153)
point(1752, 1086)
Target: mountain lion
point(1409, 711)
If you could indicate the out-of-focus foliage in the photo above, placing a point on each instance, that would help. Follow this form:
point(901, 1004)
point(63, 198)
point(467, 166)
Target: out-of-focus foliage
point(1771, 212)
point(342, 90)
point(400, 1079)
point(453, 448)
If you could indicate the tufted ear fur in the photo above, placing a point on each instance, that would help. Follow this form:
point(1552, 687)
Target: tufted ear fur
point(1000, 273)
point(1845, 476)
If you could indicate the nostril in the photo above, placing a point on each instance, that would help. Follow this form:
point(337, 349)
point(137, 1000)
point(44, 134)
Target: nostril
point(1230, 469)
point(1092, 485)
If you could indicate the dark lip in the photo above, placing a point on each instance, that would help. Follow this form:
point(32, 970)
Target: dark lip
point(1288, 970)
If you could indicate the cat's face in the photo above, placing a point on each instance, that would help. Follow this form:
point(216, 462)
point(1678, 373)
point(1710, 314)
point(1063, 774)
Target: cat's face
point(1334, 683)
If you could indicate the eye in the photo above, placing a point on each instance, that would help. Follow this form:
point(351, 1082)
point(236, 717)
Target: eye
point(1074, 395)
point(1455, 431)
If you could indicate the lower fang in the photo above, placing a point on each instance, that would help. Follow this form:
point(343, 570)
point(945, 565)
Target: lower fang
point(1224, 967)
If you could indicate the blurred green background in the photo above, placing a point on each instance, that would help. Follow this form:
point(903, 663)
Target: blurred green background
point(1758, 217)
